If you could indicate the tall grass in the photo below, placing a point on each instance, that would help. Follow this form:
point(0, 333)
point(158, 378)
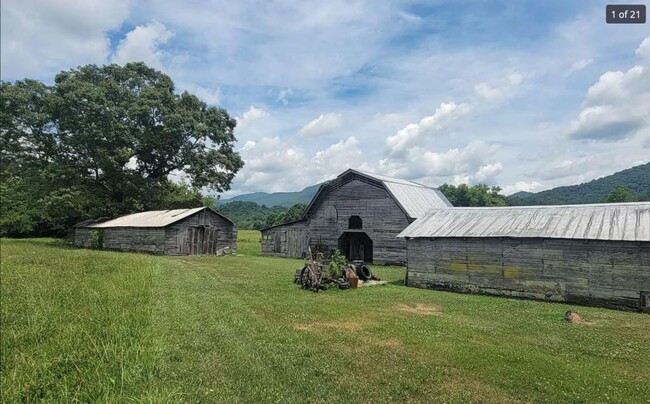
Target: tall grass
point(75, 323)
point(249, 243)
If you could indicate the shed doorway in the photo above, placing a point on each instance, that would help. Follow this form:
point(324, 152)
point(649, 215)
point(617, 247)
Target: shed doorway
point(201, 241)
point(356, 246)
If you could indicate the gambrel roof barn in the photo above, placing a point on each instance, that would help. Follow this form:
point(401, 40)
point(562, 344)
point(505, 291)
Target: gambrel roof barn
point(358, 213)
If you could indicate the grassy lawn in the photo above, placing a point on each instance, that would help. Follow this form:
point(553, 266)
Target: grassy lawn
point(105, 326)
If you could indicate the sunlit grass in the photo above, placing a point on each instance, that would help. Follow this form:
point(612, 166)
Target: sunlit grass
point(90, 325)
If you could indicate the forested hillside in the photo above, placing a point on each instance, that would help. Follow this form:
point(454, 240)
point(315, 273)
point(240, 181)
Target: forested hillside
point(284, 199)
point(635, 179)
point(250, 215)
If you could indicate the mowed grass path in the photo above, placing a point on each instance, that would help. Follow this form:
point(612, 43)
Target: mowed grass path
point(106, 326)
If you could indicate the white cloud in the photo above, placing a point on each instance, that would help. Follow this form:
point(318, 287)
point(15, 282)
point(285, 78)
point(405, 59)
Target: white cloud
point(249, 117)
point(472, 164)
point(38, 38)
point(618, 105)
point(486, 173)
point(210, 96)
point(142, 45)
point(532, 186)
point(323, 125)
point(577, 66)
point(644, 48)
point(283, 96)
point(416, 134)
point(500, 90)
point(273, 165)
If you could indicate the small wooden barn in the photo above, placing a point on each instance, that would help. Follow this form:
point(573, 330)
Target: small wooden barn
point(198, 231)
point(359, 214)
point(588, 254)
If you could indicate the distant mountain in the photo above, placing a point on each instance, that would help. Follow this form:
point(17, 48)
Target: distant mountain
point(637, 179)
point(285, 199)
point(521, 194)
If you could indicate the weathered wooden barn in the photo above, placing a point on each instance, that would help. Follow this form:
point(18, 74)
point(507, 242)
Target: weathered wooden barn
point(198, 231)
point(588, 254)
point(358, 213)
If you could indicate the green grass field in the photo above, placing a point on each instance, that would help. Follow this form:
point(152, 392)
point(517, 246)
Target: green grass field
point(83, 325)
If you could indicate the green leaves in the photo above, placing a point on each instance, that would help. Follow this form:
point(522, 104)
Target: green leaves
point(113, 134)
point(476, 195)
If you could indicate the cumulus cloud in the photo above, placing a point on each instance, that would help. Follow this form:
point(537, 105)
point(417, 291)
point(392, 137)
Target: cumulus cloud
point(253, 114)
point(323, 125)
point(501, 90)
point(532, 186)
point(273, 165)
point(209, 95)
point(416, 134)
point(644, 49)
point(38, 38)
point(618, 105)
point(142, 45)
point(472, 164)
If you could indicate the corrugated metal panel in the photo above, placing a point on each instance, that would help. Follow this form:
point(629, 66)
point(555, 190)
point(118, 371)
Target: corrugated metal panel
point(153, 218)
point(416, 199)
point(620, 221)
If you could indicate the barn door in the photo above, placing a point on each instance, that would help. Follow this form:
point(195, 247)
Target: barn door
point(195, 241)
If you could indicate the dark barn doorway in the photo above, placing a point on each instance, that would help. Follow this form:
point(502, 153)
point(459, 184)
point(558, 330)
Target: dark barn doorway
point(356, 246)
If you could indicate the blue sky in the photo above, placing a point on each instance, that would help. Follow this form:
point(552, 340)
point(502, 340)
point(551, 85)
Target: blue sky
point(524, 94)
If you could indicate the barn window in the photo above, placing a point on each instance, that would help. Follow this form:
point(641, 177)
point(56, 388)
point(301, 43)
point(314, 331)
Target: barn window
point(644, 301)
point(355, 222)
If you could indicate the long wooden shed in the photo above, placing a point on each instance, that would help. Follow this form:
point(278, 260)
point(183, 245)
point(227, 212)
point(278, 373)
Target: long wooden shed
point(590, 254)
point(198, 231)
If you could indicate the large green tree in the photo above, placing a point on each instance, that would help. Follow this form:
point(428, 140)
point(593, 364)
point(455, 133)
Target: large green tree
point(105, 140)
point(621, 194)
point(476, 195)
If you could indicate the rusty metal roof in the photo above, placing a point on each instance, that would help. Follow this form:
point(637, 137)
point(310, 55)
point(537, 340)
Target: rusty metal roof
point(416, 199)
point(152, 218)
point(612, 221)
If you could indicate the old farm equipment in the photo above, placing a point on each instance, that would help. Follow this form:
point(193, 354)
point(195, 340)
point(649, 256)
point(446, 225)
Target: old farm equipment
point(319, 273)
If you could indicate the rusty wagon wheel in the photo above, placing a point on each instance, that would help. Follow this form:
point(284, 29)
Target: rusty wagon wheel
point(305, 278)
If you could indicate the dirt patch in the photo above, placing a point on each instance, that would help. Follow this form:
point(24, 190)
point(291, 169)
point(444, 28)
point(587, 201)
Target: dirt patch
point(349, 326)
point(418, 309)
point(574, 318)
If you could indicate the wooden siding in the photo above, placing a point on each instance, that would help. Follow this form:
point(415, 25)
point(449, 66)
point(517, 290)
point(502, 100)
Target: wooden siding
point(203, 233)
point(382, 219)
point(124, 238)
point(83, 237)
point(291, 240)
point(601, 273)
point(185, 238)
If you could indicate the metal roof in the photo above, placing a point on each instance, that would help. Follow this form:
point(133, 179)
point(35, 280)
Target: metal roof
point(152, 218)
point(415, 199)
point(619, 221)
